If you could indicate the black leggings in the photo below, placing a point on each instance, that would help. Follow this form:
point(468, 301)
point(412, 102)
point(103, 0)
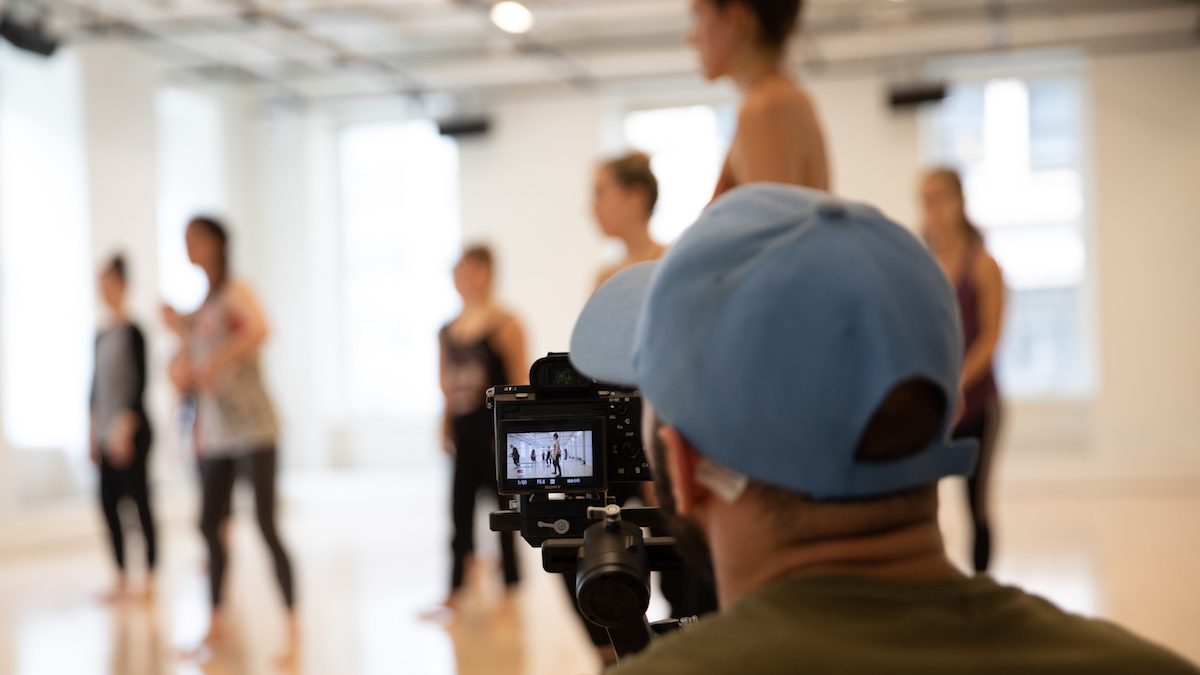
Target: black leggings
point(475, 471)
point(117, 484)
point(982, 428)
point(218, 475)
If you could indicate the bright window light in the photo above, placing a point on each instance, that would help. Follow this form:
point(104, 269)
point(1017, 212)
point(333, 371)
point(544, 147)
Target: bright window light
point(191, 170)
point(512, 17)
point(686, 147)
point(1018, 145)
point(400, 232)
point(46, 301)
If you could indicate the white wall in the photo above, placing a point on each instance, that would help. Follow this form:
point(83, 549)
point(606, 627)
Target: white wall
point(297, 272)
point(526, 189)
point(119, 111)
point(1147, 151)
point(874, 152)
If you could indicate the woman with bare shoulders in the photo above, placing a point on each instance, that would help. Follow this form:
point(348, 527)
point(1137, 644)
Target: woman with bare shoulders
point(979, 284)
point(778, 137)
point(236, 429)
point(483, 346)
point(624, 192)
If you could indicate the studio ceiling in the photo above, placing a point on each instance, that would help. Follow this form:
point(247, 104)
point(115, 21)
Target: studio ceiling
point(315, 50)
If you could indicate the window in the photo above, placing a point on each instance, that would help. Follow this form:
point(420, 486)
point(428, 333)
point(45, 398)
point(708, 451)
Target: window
point(400, 238)
point(1018, 146)
point(191, 181)
point(46, 328)
point(687, 147)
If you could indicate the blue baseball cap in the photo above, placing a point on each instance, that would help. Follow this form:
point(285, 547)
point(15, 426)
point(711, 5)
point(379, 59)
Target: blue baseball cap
point(773, 329)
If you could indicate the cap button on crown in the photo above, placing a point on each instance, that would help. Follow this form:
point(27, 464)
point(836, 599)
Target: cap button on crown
point(831, 208)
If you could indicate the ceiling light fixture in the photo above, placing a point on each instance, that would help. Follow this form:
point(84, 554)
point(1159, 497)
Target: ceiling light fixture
point(512, 17)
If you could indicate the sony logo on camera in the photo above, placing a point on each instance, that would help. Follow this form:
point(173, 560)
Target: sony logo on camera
point(566, 432)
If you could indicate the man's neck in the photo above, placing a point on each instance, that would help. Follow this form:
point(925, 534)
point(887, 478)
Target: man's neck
point(908, 553)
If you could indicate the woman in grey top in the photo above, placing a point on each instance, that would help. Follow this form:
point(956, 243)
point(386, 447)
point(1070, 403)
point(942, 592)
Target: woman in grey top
point(120, 434)
point(235, 428)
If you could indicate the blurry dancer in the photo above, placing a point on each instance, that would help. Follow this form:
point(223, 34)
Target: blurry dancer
point(778, 138)
point(120, 433)
point(483, 346)
point(624, 192)
point(236, 429)
point(977, 279)
point(557, 453)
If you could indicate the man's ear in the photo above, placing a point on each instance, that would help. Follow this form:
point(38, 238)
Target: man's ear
point(682, 460)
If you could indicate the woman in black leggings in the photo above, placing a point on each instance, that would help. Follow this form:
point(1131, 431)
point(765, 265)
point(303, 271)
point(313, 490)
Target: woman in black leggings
point(482, 347)
point(235, 427)
point(120, 433)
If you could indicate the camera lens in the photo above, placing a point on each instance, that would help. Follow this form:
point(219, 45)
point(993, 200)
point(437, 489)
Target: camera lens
point(613, 598)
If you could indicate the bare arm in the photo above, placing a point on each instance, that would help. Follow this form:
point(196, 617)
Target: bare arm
point(510, 342)
point(248, 337)
point(990, 282)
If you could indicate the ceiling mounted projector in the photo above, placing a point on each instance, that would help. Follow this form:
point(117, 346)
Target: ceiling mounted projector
point(30, 35)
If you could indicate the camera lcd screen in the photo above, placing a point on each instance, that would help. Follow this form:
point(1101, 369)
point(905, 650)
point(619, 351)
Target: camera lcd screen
point(566, 458)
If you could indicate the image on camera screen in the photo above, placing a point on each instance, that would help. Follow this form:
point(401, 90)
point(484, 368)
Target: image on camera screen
point(563, 455)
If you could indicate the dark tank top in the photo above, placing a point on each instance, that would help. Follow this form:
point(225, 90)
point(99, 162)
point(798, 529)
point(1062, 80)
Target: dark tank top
point(983, 392)
point(470, 369)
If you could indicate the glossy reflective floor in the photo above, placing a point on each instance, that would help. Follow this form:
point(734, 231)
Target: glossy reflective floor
point(370, 553)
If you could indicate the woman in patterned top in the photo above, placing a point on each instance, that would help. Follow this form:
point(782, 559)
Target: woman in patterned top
point(236, 429)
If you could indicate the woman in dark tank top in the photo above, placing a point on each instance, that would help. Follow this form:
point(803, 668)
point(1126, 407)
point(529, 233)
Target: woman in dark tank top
point(979, 285)
point(482, 347)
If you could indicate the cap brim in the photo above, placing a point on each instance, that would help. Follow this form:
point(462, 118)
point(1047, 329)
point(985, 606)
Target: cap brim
point(603, 340)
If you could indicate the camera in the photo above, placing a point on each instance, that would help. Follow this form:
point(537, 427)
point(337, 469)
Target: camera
point(565, 433)
point(562, 443)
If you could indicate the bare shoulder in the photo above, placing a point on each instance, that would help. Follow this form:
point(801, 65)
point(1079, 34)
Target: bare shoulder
point(240, 291)
point(507, 321)
point(779, 99)
point(986, 269)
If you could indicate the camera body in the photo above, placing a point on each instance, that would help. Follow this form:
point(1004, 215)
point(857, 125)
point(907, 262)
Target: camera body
point(566, 433)
point(561, 443)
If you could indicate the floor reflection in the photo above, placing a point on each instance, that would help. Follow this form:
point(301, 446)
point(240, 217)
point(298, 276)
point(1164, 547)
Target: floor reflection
point(1107, 549)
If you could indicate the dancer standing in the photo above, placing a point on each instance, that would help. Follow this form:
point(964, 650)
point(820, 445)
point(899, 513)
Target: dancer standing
point(483, 346)
point(778, 137)
point(979, 284)
point(120, 432)
point(236, 428)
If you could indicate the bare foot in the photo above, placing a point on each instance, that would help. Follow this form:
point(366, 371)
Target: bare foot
point(216, 632)
point(118, 592)
point(289, 657)
point(148, 590)
point(508, 601)
point(445, 612)
point(209, 645)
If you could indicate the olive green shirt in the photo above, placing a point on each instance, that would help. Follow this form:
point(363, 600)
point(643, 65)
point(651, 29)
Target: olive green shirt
point(859, 625)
